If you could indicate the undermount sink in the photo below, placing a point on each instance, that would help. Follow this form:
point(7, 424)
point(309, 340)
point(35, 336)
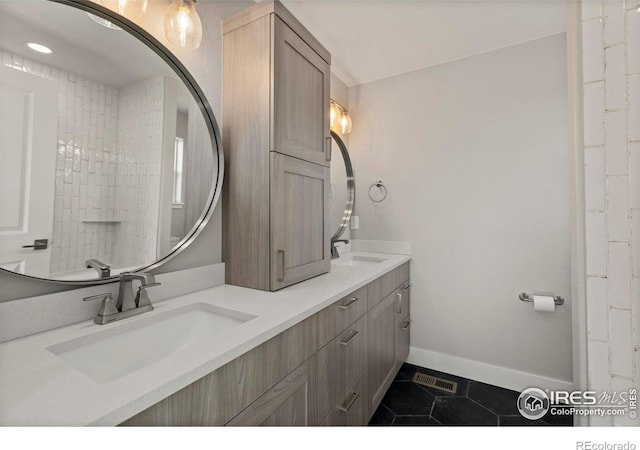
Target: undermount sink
point(355, 260)
point(110, 354)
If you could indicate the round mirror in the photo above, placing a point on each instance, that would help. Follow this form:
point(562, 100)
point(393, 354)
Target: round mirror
point(111, 159)
point(343, 188)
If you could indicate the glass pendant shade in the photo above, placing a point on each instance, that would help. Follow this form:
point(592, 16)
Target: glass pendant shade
point(182, 24)
point(131, 9)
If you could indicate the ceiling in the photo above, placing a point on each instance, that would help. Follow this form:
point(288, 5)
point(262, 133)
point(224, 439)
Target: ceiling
point(79, 44)
point(374, 39)
point(368, 39)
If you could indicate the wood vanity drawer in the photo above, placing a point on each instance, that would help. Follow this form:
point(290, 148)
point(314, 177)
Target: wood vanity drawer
point(339, 364)
point(352, 409)
point(380, 288)
point(335, 318)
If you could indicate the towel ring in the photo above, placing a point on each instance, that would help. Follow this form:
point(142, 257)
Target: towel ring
point(380, 185)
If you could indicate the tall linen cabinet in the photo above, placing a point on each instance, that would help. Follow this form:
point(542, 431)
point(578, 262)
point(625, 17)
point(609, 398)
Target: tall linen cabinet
point(277, 149)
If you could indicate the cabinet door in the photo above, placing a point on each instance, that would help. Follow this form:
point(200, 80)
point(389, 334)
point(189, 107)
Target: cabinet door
point(402, 340)
point(300, 98)
point(292, 402)
point(382, 349)
point(299, 223)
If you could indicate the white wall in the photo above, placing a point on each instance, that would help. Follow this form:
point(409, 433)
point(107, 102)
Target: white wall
point(475, 156)
point(611, 75)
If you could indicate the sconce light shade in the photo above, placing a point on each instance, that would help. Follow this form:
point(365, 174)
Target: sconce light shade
point(345, 123)
point(182, 24)
point(131, 9)
point(334, 115)
point(339, 119)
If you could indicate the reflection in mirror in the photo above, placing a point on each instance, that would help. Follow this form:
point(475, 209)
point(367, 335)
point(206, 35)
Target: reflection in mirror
point(342, 194)
point(106, 154)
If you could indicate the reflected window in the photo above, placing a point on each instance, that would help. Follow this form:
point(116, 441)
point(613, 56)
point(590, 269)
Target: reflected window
point(178, 163)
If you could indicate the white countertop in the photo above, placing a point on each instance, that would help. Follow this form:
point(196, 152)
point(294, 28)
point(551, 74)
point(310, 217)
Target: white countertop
point(38, 388)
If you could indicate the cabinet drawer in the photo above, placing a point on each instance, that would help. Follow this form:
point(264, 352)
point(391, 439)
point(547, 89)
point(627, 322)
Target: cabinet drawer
point(352, 409)
point(339, 364)
point(335, 318)
point(380, 288)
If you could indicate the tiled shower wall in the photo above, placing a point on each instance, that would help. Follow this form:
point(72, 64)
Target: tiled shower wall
point(611, 76)
point(140, 142)
point(85, 164)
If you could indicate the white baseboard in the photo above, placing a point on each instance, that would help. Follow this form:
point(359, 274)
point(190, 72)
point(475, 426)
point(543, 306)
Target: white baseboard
point(486, 373)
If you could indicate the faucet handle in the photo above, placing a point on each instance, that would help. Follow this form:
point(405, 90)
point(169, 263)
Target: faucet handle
point(108, 307)
point(142, 298)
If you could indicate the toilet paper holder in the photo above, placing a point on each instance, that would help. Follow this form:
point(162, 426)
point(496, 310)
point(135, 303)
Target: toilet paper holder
point(527, 298)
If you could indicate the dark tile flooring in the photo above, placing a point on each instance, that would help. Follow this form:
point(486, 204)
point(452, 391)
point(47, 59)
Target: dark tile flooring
point(473, 404)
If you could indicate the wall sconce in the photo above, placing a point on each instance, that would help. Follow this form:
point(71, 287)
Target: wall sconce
point(339, 118)
point(132, 9)
point(182, 24)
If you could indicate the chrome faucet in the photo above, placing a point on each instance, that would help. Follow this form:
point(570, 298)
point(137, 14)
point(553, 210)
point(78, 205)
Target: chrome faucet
point(126, 305)
point(104, 270)
point(334, 250)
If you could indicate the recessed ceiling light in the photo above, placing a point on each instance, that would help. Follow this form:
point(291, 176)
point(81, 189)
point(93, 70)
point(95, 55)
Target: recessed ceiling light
point(104, 22)
point(39, 48)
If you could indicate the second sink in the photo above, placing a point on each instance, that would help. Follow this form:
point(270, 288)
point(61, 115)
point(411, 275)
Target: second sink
point(355, 260)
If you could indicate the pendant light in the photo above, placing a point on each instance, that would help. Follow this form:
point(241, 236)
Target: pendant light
point(182, 25)
point(131, 9)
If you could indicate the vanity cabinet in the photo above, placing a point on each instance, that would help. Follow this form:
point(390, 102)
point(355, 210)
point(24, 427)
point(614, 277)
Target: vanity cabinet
point(277, 149)
point(223, 394)
point(332, 368)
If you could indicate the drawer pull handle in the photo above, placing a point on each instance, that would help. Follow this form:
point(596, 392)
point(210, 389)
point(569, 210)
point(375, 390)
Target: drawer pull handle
point(327, 148)
point(406, 288)
point(281, 254)
point(353, 334)
point(350, 301)
point(349, 404)
point(405, 325)
point(399, 303)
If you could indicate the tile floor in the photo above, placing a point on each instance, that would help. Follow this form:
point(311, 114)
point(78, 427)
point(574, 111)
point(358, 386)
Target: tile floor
point(474, 403)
